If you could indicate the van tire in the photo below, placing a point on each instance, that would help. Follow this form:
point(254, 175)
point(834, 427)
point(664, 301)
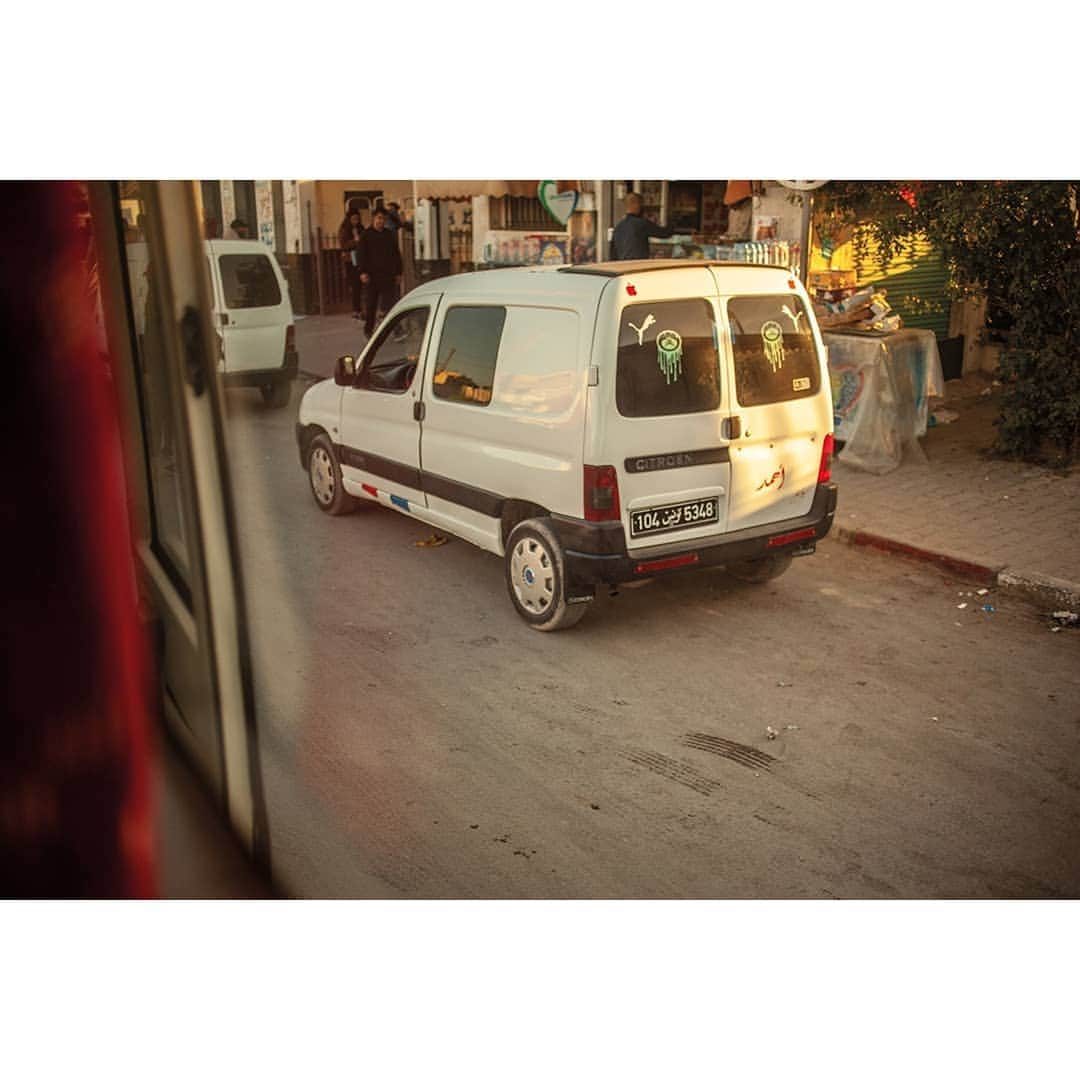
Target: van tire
point(536, 577)
point(758, 571)
point(276, 394)
point(324, 478)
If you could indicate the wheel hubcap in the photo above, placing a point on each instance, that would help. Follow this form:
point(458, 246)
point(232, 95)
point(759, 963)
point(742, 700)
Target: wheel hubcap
point(532, 574)
point(322, 476)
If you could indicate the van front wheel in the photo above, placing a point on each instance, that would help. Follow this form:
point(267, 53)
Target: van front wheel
point(324, 476)
point(536, 577)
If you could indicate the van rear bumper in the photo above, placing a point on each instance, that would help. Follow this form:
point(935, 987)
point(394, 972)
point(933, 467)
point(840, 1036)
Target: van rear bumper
point(596, 554)
point(262, 376)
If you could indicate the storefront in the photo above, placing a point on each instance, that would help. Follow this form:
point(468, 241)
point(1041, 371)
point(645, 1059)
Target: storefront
point(478, 224)
point(756, 221)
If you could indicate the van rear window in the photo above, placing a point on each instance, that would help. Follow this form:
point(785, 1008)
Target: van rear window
point(248, 281)
point(668, 360)
point(775, 354)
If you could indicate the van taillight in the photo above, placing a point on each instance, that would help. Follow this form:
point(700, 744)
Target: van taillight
point(601, 493)
point(290, 339)
point(825, 472)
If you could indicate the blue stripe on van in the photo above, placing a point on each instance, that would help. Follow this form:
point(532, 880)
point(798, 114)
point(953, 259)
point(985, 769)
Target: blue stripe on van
point(398, 501)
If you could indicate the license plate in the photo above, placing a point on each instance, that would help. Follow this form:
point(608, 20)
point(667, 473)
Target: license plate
point(685, 515)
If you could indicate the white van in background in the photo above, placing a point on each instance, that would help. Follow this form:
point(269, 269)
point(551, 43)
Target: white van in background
point(254, 316)
point(591, 424)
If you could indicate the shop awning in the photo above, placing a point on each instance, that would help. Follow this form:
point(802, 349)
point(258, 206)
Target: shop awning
point(466, 189)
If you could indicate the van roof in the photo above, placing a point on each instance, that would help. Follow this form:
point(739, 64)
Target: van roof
point(640, 266)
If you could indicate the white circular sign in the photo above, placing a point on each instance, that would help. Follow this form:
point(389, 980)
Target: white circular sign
point(802, 185)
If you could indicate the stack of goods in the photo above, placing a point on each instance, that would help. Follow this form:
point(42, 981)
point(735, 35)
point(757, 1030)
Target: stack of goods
point(839, 303)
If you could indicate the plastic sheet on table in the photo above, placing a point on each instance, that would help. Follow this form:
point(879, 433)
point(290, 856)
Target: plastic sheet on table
point(881, 386)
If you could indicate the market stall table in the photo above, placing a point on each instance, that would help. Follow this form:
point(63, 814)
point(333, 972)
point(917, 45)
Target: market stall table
point(881, 387)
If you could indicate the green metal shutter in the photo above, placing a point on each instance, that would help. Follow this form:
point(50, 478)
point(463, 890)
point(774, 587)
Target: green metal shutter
point(915, 284)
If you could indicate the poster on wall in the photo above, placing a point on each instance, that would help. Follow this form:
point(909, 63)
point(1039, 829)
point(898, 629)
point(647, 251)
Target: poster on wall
point(505, 247)
point(766, 227)
point(583, 237)
point(228, 204)
point(264, 211)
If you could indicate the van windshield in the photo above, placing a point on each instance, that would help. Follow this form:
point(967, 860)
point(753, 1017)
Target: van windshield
point(774, 350)
point(668, 359)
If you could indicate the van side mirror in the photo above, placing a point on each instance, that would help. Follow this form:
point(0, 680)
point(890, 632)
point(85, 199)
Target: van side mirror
point(345, 370)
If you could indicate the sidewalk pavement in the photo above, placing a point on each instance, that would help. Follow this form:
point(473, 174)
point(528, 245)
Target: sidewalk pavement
point(1012, 525)
point(1005, 523)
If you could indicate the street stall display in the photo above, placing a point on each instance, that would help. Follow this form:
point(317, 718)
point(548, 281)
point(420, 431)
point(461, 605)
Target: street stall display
point(882, 383)
point(699, 246)
point(509, 247)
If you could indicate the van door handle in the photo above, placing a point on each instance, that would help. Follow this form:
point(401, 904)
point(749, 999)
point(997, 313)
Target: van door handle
point(224, 318)
point(731, 427)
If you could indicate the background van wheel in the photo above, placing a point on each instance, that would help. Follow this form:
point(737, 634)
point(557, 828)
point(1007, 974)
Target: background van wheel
point(536, 577)
point(324, 476)
point(758, 571)
point(277, 394)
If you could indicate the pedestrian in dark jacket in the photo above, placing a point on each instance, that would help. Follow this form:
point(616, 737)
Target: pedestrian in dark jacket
point(349, 235)
point(631, 239)
point(380, 268)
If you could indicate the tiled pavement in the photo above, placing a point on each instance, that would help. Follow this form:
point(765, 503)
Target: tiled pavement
point(961, 504)
point(950, 500)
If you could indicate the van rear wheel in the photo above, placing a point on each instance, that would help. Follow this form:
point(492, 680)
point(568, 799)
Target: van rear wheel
point(277, 394)
point(758, 571)
point(536, 577)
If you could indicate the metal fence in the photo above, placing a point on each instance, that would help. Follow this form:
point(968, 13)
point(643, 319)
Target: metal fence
point(331, 274)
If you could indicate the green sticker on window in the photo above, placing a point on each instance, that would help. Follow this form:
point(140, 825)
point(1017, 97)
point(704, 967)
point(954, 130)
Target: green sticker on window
point(669, 355)
point(772, 336)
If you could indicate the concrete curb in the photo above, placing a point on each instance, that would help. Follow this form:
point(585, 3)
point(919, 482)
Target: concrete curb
point(1049, 593)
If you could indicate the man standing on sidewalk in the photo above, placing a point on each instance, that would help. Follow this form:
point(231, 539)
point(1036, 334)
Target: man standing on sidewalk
point(380, 269)
point(631, 238)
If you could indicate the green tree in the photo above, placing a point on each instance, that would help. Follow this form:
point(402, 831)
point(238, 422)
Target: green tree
point(1017, 244)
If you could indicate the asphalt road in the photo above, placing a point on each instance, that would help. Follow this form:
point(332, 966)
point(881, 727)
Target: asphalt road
point(419, 740)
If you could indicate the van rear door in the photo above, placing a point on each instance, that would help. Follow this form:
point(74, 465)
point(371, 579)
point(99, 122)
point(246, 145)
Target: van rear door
point(253, 305)
point(664, 431)
point(780, 408)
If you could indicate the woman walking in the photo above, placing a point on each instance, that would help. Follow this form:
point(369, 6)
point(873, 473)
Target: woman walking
point(349, 236)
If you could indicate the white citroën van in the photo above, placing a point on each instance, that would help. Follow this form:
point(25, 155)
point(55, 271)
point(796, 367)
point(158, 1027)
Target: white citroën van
point(254, 316)
point(590, 424)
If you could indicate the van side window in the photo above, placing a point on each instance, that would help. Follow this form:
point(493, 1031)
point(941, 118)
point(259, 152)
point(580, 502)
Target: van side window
point(248, 281)
point(668, 360)
point(468, 349)
point(391, 364)
point(775, 353)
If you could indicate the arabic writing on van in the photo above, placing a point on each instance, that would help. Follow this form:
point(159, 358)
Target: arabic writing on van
point(776, 476)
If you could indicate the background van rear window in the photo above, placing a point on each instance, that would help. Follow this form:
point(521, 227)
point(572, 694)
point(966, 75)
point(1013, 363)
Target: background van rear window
point(249, 281)
point(668, 359)
point(775, 355)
